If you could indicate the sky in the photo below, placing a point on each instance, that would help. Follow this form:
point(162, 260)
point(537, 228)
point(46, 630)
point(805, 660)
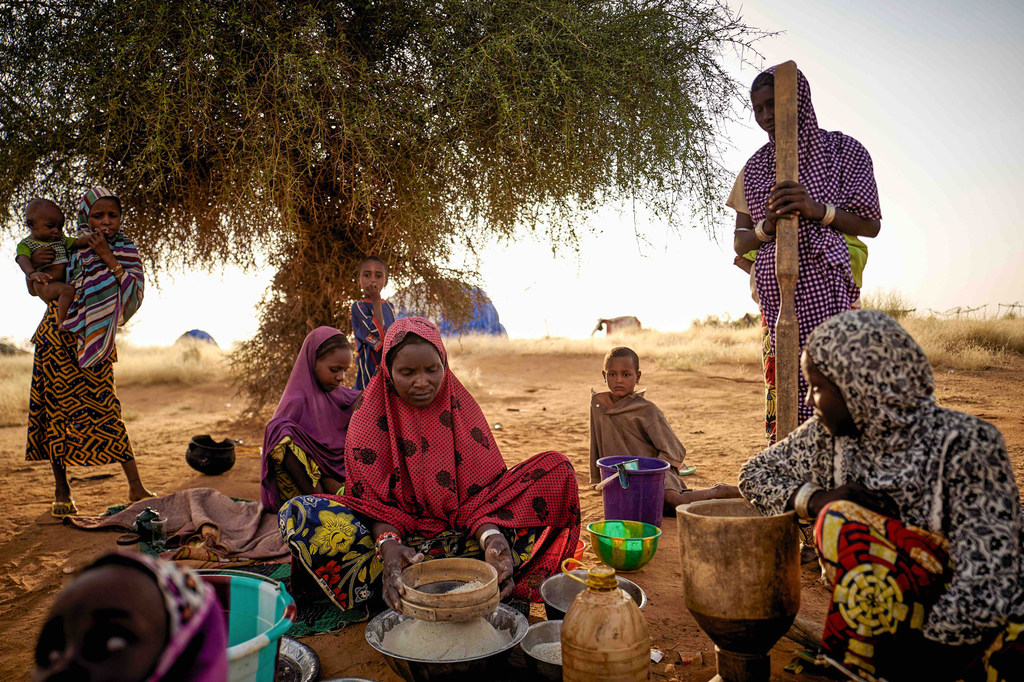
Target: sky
point(931, 89)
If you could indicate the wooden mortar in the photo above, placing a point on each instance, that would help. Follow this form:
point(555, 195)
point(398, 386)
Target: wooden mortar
point(741, 581)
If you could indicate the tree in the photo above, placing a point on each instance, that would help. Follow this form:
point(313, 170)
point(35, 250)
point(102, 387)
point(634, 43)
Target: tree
point(320, 132)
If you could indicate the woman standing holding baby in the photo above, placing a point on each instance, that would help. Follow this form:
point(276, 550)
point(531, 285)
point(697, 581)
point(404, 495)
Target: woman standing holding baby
point(74, 413)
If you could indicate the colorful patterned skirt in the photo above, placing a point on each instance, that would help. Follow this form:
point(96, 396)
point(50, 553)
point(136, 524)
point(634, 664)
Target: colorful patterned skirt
point(885, 577)
point(336, 549)
point(768, 364)
point(74, 416)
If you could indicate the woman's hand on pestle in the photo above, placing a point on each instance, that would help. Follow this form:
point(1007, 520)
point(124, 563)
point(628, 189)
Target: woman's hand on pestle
point(396, 557)
point(791, 197)
point(854, 492)
point(498, 554)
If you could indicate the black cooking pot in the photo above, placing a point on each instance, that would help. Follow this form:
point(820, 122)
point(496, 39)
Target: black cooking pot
point(209, 457)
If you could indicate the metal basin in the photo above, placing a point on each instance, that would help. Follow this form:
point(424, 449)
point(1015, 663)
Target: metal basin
point(559, 590)
point(545, 632)
point(469, 669)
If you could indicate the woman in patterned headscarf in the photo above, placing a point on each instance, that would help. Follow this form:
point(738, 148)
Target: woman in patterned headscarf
point(74, 414)
point(128, 617)
point(425, 480)
point(918, 518)
point(836, 201)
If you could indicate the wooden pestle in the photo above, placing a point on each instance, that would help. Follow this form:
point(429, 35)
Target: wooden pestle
point(787, 255)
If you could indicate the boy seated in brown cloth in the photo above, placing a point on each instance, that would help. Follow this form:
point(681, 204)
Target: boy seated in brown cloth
point(624, 422)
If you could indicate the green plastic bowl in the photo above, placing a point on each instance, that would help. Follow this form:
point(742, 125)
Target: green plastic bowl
point(626, 546)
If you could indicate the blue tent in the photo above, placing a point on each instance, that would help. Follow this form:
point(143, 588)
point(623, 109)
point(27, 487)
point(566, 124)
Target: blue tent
point(484, 320)
point(197, 335)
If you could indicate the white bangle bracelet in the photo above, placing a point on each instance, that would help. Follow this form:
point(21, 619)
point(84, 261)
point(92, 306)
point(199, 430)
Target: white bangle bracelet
point(803, 498)
point(486, 534)
point(761, 234)
point(830, 214)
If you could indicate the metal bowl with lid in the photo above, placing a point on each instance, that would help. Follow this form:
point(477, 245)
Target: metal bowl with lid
point(560, 590)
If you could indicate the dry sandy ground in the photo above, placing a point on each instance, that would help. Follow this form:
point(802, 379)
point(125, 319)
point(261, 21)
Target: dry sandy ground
point(541, 403)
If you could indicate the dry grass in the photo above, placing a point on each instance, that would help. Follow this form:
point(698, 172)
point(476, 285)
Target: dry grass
point(690, 349)
point(185, 363)
point(949, 344)
point(15, 377)
point(968, 344)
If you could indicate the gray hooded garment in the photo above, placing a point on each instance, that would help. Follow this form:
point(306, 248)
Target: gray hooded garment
point(948, 471)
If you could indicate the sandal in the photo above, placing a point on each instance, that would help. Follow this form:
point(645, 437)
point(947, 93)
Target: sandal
point(59, 510)
point(686, 471)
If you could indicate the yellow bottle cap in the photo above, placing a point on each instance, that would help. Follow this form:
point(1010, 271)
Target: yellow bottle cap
point(602, 578)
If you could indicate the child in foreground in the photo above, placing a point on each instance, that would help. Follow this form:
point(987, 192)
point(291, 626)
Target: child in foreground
point(624, 422)
point(371, 318)
point(45, 223)
point(130, 617)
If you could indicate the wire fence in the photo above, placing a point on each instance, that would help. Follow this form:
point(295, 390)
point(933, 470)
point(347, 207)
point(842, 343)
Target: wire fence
point(982, 312)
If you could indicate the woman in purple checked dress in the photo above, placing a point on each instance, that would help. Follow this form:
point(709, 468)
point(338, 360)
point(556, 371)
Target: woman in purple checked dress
point(836, 201)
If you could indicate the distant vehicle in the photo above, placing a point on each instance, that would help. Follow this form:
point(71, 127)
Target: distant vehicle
point(616, 324)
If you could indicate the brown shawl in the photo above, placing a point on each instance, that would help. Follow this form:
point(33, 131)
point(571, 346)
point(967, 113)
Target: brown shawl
point(633, 426)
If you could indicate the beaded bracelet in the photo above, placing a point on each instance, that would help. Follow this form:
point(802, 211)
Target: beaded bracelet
point(384, 537)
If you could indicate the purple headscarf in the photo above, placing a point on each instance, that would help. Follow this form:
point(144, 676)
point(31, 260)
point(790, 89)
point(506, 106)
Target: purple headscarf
point(316, 420)
point(193, 614)
point(835, 169)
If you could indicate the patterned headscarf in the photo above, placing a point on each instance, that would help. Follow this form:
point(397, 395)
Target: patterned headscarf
point(85, 204)
point(101, 303)
point(436, 468)
point(836, 169)
point(193, 613)
point(883, 374)
point(316, 420)
point(948, 472)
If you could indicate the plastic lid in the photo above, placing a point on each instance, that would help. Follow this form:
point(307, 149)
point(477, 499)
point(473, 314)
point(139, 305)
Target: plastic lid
point(602, 578)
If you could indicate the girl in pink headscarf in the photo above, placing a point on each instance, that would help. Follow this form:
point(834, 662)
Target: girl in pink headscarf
point(304, 444)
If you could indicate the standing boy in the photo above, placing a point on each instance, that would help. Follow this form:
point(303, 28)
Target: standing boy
point(371, 318)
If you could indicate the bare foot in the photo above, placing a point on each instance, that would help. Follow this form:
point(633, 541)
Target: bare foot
point(137, 491)
point(719, 491)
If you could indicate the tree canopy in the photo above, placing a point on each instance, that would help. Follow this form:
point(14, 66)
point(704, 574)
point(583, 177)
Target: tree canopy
point(320, 132)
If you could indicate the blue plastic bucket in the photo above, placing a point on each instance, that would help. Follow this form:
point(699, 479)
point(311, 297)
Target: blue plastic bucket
point(258, 612)
point(644, 499)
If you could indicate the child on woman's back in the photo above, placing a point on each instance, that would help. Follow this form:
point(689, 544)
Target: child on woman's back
point(371, 318)
point(624, 422)
point(45, 223)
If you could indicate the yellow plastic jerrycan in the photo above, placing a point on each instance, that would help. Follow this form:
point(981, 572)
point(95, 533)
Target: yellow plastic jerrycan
point(604, 635)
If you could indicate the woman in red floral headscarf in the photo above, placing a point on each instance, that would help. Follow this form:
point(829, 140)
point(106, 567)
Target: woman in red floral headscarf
point(425, 480)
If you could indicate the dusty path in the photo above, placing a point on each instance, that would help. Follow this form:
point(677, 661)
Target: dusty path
point(541, 404)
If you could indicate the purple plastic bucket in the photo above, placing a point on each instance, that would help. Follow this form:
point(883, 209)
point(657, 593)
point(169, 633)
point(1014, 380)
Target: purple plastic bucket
point(644, 499)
